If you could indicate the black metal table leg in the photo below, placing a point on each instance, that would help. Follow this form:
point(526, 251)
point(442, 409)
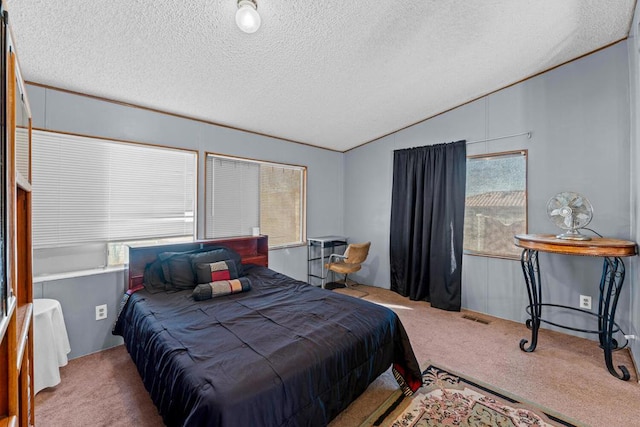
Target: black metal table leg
point(610, 285)
point(529, 261)
point(611, 282)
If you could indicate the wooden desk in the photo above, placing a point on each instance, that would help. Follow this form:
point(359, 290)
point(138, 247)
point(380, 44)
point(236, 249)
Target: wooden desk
point(611, 282)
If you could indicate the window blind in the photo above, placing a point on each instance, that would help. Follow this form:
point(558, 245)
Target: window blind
point(242, 194)
point(281, 204)
point(496, 203)
point(88, 190)
point(234, 197)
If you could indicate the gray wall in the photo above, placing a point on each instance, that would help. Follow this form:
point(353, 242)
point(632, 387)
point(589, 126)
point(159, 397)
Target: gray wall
point(579, 118)
point(60, 111)
point(634, 271)
point(78, 297)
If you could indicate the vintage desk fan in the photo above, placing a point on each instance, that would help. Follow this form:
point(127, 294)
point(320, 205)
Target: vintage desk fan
point(570, 211)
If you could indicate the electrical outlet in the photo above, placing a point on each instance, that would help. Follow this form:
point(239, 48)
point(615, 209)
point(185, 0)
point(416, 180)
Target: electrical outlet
point(101, 312)
point(585, 302)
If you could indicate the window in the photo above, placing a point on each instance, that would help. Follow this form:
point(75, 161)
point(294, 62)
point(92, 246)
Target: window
point(90, 194)
point(243, 194)
point(496, 203)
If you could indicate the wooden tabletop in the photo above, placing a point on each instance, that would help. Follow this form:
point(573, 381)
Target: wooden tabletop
point(597, 246)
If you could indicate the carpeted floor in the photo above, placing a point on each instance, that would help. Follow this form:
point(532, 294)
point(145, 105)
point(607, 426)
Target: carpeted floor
point(565, 374)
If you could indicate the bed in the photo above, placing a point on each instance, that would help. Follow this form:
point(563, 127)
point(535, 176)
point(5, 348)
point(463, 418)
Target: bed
point(282, 353)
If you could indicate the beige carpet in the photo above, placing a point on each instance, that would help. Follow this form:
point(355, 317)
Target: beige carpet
point(99, 390)
point(565, 373)
point(356, 291)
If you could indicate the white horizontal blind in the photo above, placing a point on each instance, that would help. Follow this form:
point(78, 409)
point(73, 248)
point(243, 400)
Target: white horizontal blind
point(242, 194)
point(281, 204)
point(88, 190)
point(234, 197)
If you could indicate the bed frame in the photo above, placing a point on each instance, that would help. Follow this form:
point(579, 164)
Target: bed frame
point(252, 249)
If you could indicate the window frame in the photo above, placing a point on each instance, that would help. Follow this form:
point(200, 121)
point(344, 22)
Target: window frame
point(109, 245)
point(303, 194)
point(525, 154)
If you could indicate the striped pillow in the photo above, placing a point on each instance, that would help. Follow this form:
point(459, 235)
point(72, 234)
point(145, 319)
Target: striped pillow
point(215, 271)
point(219, 288)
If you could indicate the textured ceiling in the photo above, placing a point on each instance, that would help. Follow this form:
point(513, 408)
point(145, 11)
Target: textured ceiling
point(329, 73)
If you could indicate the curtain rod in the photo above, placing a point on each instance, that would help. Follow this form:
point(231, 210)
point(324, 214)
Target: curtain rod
point(502, 137)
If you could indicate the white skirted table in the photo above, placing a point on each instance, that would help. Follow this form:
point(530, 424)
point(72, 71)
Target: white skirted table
point(50, 343)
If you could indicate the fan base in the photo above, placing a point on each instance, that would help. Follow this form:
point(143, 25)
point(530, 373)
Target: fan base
point(573, 236)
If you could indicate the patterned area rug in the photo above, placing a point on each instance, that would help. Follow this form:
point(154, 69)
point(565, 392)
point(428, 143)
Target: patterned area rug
point(449, 399)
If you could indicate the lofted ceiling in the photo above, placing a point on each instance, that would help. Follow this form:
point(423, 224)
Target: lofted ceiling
point(333, 74)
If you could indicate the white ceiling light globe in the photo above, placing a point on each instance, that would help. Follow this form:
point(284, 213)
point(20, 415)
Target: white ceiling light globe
point(247, 17)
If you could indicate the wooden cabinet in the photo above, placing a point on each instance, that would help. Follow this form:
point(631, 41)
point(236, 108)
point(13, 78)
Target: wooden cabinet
point(16, 304)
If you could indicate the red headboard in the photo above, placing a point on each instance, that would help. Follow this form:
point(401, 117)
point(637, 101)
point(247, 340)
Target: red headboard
point(252, 249)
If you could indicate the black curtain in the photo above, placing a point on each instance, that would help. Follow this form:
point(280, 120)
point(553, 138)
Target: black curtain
point(427, 223)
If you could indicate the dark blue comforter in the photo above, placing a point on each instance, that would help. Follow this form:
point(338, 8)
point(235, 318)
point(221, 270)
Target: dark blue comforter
point(282, 354)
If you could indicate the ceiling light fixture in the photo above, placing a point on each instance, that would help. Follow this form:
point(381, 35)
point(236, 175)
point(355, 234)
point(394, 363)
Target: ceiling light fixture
point(247, 17)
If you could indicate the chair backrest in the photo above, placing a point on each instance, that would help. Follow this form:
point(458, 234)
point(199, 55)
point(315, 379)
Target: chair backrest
point(356, 253)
